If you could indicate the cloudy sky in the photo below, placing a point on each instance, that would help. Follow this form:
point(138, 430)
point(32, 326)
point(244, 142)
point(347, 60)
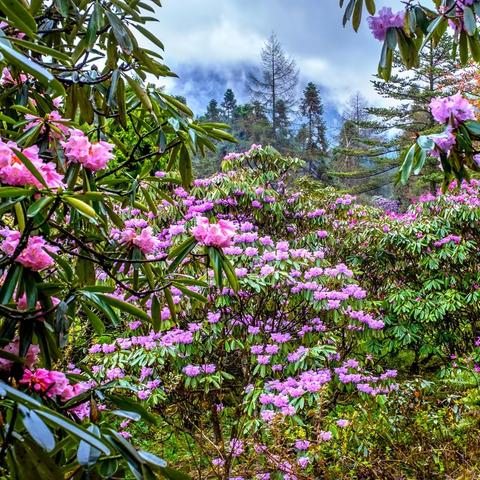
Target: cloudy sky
point(211, 44)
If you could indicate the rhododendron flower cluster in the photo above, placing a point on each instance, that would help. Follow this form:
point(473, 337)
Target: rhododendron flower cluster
point(30, 359)
point(385, 19)
point(218, 235)
point(56, 385)
point(14, 172)
point(79, 149)
point(145, 240)
point(453, 110)
point(34, 255)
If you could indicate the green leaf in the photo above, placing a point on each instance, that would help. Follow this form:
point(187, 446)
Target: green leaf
point(473, 127)
point(63, 7)
point(83, 208)
point(7, 192)
point(87, 456)
point(230, 273)
point(190, 293)
point(36, 47)
point(469, 20)
point(38, 206)
point(131, 405)
point(28, 66)
point(152, 459)
point(125, 307)
point(37, 428)
point(185, 166)
point(180, 253)
point(19, 15)
point(97, 324)
point(141, 94)
point(9, 284)
point(474, 44)
point(407, 165)
point(74, 429)
point(152, 37)
point(357, 14)
point(156, 313)
point(121, 33)
point(370, 6)
point(127, 414)
point(92, 27)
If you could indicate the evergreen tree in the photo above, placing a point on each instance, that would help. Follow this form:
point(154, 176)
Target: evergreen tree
point(311, 108)
point(358, 161)
point(229, 104)
point(277, 82)
point(371, 149)
point(213, 112)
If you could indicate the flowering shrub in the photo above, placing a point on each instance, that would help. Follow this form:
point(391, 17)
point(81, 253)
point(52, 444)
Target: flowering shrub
point(246, 366)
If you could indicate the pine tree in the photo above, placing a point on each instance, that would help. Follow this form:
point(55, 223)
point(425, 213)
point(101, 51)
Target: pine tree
point(311, 108)
point(277, 82)
point(359, 163)
point(229, 104)
point(213, 112)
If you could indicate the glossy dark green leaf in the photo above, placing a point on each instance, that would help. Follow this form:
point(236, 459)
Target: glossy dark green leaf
point(37, 428)
point(120, 31)
point(38, 206)
point(125, 307)
point(88, 456)
point(76, 430)
point(28, 66)
point(20, 16)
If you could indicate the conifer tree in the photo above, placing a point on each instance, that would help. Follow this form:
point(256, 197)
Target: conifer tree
point(229, 104)
point(311, 109)
point(213, 112)
point(277, 82)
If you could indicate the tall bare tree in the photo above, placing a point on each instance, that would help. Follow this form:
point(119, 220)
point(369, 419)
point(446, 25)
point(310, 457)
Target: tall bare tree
point(277, 82)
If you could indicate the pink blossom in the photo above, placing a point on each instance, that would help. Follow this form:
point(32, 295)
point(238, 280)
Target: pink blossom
point(79, 149)
point(454, 109)
point(34, 256)
point(31, 358)
point(218, 235)
point(14, 172)
point(385, 19)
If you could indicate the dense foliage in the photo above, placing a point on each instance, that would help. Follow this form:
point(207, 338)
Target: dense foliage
point(250, 324)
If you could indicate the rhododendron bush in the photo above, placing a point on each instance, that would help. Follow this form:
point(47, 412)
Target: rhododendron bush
point(248, 325)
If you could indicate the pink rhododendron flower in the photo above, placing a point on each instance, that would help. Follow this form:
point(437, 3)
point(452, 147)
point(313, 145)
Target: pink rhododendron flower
point(50, 382)
point(385, 19)
point(218, 235)
point(7, 79)
point(93, 156)
point(14, 172)
point(454, 109)
point(31, 358)
point(34, 256)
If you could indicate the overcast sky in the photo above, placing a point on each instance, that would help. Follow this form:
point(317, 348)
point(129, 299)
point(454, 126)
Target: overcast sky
point(211, 44)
